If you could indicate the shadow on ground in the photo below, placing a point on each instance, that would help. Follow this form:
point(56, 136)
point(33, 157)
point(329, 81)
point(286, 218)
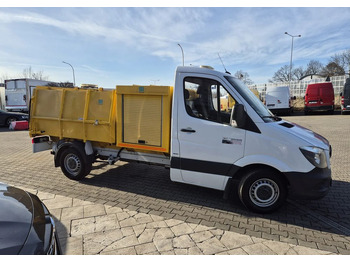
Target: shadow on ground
point(154, 182)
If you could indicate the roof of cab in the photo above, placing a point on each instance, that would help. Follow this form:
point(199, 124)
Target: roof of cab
point(200, 70)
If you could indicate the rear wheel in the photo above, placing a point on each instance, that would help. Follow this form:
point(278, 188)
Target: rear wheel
point(74, 165)
point(262, 190)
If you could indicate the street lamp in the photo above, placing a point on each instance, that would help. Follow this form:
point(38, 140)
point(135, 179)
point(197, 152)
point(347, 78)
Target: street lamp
point(72, 69)
point(183, 57)
point(291, 55)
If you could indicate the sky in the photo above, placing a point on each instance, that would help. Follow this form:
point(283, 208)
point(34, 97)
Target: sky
point(139, 45)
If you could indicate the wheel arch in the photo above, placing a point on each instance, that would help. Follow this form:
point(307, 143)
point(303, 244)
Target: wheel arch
point(236, 177)
point(63, 145)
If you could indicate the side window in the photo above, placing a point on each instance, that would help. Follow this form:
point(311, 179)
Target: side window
point(207, 99)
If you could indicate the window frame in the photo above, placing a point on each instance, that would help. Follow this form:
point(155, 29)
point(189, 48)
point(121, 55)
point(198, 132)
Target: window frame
point(218, 84)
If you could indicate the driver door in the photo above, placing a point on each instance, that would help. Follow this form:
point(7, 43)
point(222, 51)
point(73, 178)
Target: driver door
point(208, 143)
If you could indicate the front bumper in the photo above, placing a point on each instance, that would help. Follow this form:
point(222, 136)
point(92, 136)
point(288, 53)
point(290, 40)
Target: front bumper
point(312, 185)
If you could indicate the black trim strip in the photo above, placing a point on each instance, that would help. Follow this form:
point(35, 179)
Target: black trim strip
point(202, 166)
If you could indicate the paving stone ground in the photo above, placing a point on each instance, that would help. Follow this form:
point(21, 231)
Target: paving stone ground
point(135, 209)
point(88, 228)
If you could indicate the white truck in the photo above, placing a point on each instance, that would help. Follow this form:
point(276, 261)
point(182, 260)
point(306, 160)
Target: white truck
point(246, 149)
point(279, 100)
point(18, 93)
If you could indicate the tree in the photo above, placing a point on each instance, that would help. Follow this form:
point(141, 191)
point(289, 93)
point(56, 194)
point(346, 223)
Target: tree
point(333, 69)
point(314, 67)
point(28, 73)
point(342, 60)
point(61, 84)
point(282, 74)
point(244, 77)
point(298, 73)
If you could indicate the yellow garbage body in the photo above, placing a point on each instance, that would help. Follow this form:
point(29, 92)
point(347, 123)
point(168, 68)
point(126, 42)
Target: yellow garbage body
point(136, 117)
point(143, 117)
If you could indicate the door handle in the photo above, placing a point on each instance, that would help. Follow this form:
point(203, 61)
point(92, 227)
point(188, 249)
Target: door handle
point(188, 130)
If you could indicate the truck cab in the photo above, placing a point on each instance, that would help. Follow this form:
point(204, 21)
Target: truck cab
point(266, 156)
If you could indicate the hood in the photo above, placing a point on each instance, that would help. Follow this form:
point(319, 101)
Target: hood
point(303, 133)
point(15, 218)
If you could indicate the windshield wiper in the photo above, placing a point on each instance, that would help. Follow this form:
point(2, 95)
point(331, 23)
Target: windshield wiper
point(276, 118)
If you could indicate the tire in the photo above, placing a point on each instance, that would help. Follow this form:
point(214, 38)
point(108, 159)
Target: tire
point(74, 165)
point(9, 120)
point(262, 190)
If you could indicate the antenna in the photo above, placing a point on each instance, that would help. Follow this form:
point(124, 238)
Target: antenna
point(183, 57)
point(223, 65)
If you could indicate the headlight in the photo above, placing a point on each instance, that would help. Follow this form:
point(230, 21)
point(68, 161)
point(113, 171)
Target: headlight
point(315, 155)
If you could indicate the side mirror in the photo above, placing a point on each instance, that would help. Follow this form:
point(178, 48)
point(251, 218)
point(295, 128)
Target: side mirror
point(294, 98)
point(239, 116)
point(341, 93)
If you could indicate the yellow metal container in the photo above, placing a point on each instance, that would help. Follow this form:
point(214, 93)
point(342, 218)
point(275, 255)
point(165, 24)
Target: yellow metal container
point(143, 117)
point(136, 117)
point(85, 114)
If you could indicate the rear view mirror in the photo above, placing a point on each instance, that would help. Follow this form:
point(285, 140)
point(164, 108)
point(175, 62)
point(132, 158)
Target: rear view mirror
point(238, 116)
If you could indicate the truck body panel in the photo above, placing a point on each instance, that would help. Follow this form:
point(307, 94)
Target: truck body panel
point(18, 93)
point(319, 97)
point(345, 97)
point(278, 99)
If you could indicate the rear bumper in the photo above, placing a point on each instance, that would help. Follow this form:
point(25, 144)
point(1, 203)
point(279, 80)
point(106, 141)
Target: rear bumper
point(345, 109)
point(319, 108)
point(281, 110)
point(312, 185)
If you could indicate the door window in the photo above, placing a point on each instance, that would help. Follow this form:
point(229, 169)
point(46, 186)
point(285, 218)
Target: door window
point(207, 99)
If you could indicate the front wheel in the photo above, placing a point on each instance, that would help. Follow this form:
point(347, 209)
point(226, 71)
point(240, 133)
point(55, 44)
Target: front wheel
point(262, 191)
point(74, 165)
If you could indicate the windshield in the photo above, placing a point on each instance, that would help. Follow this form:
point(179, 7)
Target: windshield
point(251, 99)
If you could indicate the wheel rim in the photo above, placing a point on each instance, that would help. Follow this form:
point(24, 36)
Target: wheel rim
point(264, 192)
point(72, 164)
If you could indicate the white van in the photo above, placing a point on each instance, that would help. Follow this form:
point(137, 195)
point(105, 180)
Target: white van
point(278, 99)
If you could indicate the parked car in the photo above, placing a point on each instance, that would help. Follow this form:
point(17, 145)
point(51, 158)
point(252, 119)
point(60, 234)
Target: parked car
point(345, 97)
point(319, 97)
point(7, 117)
point(279, 100)
point(26, 226)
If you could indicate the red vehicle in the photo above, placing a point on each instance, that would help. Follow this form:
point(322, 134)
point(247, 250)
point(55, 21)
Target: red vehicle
point(319, 97)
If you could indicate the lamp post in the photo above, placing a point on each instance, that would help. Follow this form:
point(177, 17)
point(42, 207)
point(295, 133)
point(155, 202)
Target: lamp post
point(291, 55)
point(183, 57)
point(72, 69)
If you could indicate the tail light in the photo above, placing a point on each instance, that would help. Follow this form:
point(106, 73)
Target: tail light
point(342, 100)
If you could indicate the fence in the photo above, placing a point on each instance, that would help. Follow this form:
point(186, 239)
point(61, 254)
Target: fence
point(298, 88)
